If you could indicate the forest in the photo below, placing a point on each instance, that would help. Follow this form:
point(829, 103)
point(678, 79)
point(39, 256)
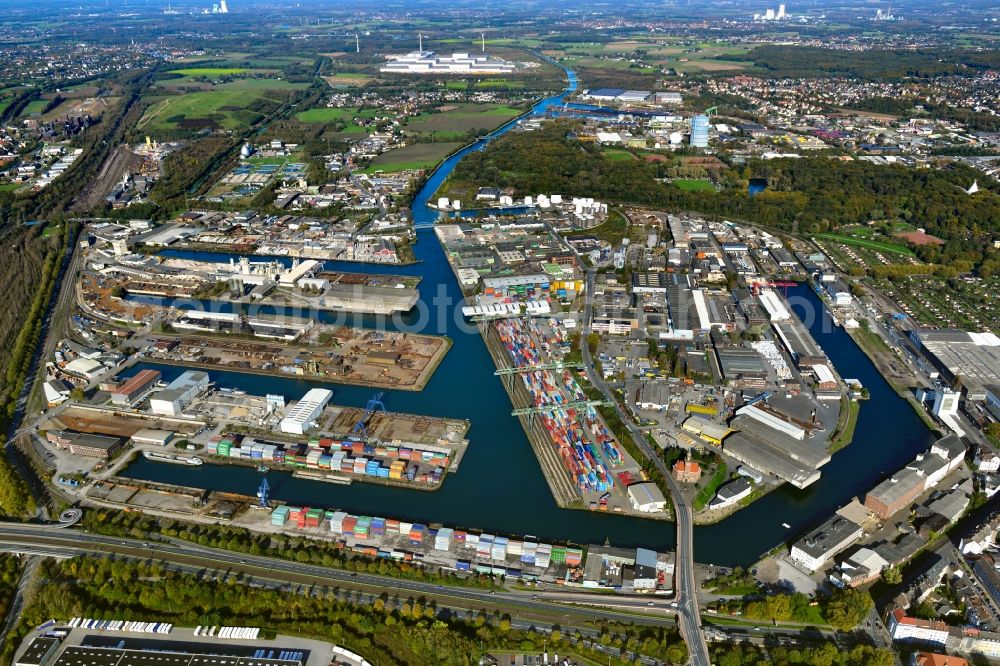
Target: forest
point(412, 631)
point(809, 195)
point(814, 61)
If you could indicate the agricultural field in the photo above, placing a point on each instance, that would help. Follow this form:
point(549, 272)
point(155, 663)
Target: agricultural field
point(414, 156)
point(458, 120)
point(342, 80)
point(227, 91)
point(200, 110)
point(972, 304)
point(208, 72)
point(341, 119)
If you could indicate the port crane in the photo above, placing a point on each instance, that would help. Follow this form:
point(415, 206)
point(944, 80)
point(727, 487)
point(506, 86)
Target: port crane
point(375, 404)
point(560, 407)
point(559, 365)
point(263, 493)
point(760, 397)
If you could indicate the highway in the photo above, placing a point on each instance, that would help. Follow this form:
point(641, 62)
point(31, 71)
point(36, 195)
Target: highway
point(689, 616)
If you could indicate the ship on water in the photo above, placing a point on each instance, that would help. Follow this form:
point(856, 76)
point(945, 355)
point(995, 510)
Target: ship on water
point(172, 458)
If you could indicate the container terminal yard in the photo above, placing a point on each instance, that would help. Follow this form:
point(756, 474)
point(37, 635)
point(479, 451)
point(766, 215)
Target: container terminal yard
point(312, 438)
point(583, 461)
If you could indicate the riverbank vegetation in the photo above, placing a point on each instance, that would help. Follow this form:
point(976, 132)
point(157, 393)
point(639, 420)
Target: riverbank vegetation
point(390, 630)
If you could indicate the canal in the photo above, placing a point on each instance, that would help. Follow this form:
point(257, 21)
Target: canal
point(499, 486)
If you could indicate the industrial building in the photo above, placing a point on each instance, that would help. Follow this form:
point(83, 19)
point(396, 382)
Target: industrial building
point(975, 357)
point(86, 444)
point(427, 62)
point(822, 543)
point(699, 131)
point(305, 411)
point(900, 489)
point(153, 436)
point(616, 95)
point(741, 366)
point(174, 399)
point(39, 651)
point(86, 368)
point(135, 388)
point(646, 497)
point(731, 493)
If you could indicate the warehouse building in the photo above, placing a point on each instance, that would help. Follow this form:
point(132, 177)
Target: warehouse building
point(301, 417)
point(975, 357)
point(170, 653)
point(86, 444)
point(133, 389)
point(39, 651)
point(174, 399)
point(899, 490)
point(744, 366)
point(646, 497)
point(822, 543)
point(426, 62)
point(731, 493)
point(86, 368)
point(153, 436)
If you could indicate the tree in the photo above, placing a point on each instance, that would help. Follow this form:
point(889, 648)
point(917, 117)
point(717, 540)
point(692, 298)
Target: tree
point(892, 576)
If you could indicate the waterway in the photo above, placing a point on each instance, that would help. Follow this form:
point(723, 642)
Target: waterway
point(499, 486)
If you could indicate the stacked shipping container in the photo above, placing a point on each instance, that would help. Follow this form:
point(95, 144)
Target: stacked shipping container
point(579, 437)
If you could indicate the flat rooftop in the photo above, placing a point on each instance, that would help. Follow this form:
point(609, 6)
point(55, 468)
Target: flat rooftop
point(827, 537)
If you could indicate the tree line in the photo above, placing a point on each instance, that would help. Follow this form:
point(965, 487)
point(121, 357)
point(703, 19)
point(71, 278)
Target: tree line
point(390, 630)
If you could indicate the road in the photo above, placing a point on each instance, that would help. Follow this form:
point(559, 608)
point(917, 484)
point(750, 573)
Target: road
point(689, 616)
point(525, 607)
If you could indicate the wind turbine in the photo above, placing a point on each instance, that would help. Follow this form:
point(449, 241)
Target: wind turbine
point(420, 36)
point(357, 42)
point(483, 35)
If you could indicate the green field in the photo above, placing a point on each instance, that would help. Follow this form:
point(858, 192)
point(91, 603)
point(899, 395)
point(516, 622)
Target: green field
point(618, 154)
point(693, 184)
point(260, 84)
point(34, 106)
point(414, 156)
point(226, 109)
point(870, 244)
point(465, 118)
point(209, 71)
point(333, 115)
point(491, 84)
